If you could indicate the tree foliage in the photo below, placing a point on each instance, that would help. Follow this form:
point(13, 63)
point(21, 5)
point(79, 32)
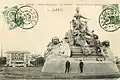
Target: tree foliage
point(3, 60)
point(39, 61)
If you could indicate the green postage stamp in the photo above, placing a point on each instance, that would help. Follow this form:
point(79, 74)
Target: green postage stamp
point(25, 17)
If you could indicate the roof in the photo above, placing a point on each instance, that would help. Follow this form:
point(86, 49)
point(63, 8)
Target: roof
point(8, 52)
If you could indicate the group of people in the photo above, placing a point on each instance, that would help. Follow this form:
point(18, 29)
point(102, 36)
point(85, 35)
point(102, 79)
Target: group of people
point(67, 66)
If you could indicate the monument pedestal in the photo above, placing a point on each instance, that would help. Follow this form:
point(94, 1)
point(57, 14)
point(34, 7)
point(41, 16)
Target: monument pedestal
point(57, 65)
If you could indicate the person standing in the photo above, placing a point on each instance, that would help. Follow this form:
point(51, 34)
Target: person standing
point(81, 64)
point(67, 66)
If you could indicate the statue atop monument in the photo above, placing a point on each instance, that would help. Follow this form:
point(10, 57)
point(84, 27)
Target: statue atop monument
point(80, 36)
point(78, 16)
point(78, 23)
point(79, 39)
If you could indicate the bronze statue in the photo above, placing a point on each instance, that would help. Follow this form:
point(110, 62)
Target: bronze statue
point(78, 23)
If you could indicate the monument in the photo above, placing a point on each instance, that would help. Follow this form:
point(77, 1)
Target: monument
point(79, 43)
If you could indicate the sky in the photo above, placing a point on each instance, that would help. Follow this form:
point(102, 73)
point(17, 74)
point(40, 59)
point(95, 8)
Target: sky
point(52, 24)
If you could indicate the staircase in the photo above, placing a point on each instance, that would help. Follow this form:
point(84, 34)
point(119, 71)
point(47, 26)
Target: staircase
point(76, 52)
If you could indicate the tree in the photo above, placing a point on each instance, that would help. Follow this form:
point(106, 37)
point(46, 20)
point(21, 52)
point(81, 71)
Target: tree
point(39, 61)
point(3, 60)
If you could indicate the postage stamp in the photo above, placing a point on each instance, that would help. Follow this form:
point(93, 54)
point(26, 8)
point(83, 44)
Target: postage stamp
point(9, 14)
point(25, 17)
point(109, 18)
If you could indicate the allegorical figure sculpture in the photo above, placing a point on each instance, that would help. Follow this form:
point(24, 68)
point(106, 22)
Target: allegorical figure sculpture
point(78, 23)
point(88, 42)
point(80, 36)
point(57, 48)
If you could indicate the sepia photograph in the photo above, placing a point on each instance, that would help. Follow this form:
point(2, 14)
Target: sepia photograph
point(60, 40)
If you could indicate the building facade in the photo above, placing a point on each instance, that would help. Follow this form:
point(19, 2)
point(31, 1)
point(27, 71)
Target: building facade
point(18, 58)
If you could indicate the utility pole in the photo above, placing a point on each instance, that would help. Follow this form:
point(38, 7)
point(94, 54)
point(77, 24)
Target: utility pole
point(1, 55)
point(1, 50)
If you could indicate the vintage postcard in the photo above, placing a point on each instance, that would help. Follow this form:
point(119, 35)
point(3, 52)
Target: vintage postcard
point(60, 40)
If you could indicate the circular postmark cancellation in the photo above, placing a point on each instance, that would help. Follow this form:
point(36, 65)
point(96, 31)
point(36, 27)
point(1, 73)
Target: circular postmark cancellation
point(109, 19)
point(26, 17)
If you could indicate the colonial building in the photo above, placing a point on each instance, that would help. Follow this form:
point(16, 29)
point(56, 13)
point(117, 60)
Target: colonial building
point(18, 58)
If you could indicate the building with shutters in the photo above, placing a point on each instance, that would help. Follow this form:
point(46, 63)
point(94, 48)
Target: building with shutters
point(18, 58)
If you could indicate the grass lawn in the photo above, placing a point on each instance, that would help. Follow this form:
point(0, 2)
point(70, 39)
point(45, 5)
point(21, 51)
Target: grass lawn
point(35, 73)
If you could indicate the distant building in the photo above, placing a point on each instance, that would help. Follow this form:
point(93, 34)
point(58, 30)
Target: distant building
point(18, 58)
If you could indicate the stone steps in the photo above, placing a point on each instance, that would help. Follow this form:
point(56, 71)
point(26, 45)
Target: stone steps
point(77, 51)
point(79, 54)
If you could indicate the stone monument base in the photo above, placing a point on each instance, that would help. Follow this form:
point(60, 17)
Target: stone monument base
point(57, 65)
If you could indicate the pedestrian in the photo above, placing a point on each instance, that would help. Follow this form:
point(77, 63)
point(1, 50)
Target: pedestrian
point(81, 64)
point(67, 66)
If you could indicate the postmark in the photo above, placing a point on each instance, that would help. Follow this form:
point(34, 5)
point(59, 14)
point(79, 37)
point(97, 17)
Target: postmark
point(25, 17)
point(109, 18)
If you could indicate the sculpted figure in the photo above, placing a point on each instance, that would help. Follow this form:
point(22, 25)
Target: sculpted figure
point(107, 50)
point(57, 48)
point(78, 23)
point(97, 44)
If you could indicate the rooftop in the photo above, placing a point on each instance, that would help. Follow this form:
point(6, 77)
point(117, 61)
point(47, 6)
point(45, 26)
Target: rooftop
point(8, 52)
